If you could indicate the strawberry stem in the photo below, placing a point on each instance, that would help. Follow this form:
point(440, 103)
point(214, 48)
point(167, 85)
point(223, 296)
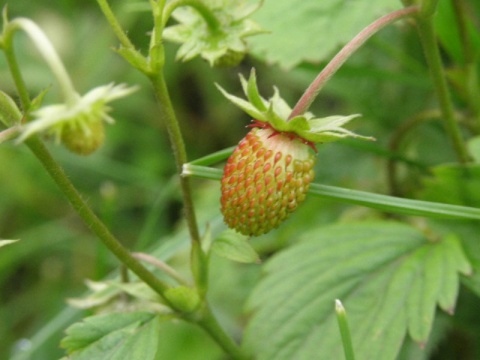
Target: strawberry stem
point(312, 91)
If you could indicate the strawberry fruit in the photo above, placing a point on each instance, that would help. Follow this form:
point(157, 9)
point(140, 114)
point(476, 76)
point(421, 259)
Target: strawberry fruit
point(265, 179)
point(269, 173)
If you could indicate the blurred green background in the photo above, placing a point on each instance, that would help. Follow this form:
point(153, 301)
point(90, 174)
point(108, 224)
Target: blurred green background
point(130, 182)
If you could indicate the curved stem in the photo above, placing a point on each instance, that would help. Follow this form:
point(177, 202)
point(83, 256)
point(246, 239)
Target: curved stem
point(159, 264)
point(312, 91)
point(91, 220)
point(45, 48)
point(7, 45)
point(115, 25)
point(427, 36)
point(212, 22)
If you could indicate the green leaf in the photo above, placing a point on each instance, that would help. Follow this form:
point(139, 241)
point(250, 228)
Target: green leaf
point(243, 104)
point(388, 275)
point(10, 114)
point(376, 201)
point(113, 336)
point(311, 30)
point(105, 292)
point(250, 88)
point(234, 246)
point(474, 148)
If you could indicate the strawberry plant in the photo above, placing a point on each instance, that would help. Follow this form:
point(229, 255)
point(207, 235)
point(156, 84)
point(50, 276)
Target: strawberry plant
point(336, 218)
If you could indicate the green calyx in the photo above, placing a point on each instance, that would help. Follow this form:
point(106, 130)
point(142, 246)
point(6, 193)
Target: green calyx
point(215, 36)
point(275, 111)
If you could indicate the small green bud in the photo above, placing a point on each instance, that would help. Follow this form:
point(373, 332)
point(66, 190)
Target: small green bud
point(84, 139)
point(230, 59)
point(183, 298)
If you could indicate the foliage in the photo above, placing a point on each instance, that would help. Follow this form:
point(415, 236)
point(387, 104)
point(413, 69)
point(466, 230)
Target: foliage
point(390, 227)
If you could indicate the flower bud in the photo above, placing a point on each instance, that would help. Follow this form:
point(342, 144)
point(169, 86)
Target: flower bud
point(85, 138)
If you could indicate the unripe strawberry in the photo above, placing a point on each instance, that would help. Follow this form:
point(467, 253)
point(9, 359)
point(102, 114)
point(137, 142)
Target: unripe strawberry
point(230, 59)
point(265, 179)
point(85, 139)
point(269, 173)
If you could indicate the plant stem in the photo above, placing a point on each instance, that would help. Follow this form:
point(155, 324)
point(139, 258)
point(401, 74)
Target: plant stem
point(112, 20)
point(7, 45)
point(427, 35)
point(45, 48)
point(161, 266)
point(344, 330)
point(169, 118)
point(470, 66)
point(203, 10)
point(209, 323)
point(205, 318)
point(90, 219)
point(312, 91)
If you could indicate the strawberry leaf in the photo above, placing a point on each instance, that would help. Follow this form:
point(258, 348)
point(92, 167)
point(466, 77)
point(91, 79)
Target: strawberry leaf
point(234, 246)
point(10, 114)
point(315, 28)
point(389, 277)
point(113, 336)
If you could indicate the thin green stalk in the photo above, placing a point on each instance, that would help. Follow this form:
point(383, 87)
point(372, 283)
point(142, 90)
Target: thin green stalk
point(470, 66)
point(209, 323)
point(90, 219)
point(112, 20)
point(205, 318)
point(15, 72)
point(344, 331)
point(312, 91)
point(178, 146)
point(427, 35)
point(45, 48)
point(375, 201)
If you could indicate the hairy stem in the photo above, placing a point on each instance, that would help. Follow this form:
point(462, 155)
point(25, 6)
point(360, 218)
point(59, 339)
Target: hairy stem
point(470, 66)
point(209, 323)
point(427, 35)
point(312, 91)
point(46, 49)
point(169, 118)
point(7, 45)
point(114, 24)
point(90, 219)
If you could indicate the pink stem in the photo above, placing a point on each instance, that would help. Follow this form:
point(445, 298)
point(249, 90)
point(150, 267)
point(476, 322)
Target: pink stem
point(312, 91)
